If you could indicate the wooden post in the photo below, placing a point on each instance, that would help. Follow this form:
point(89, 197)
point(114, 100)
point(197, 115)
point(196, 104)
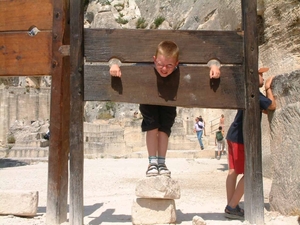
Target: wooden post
point(59, 118)
point(254, 200)
point(76, 113)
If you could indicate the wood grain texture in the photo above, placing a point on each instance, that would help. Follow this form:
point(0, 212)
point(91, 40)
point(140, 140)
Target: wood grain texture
point(254, 198)
point(140, 45)
point(140, 84)
point(24, 55)
point(20, 15)
point(76, 208)
point(58, 161)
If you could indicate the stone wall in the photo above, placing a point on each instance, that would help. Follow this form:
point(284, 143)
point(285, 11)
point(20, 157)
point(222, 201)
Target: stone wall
point(22, 105)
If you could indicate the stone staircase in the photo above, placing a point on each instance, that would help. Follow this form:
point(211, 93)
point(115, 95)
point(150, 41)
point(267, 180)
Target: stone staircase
point(33, 146)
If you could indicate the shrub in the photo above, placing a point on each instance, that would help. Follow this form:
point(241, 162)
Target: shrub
point(11, 139)
point(141, 23)
point(121, 20)
point(158, 21)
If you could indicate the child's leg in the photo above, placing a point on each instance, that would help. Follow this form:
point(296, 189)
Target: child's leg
point(152, 142)
point(219, 149)
point(163, 140)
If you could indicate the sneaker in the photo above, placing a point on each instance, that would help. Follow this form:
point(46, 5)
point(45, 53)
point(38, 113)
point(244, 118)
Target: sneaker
point(218, 158)
point(234, 213)
point(163, 170)
point(152, 170)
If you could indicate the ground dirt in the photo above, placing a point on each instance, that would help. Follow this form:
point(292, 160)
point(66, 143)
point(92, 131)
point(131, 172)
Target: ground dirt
point(109, 190)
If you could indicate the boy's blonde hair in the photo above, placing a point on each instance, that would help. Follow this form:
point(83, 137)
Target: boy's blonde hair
point(168, 49)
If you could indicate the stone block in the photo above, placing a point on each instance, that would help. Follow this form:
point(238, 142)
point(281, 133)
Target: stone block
point(153, 211)
point(19, 203)
point(161, 187)
point(197, 220)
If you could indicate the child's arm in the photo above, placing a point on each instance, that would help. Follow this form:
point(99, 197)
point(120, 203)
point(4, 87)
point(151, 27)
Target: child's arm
point(214, 66)
point(269, 94)
point(114, 65)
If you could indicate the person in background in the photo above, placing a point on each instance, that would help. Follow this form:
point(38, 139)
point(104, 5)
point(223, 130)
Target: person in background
point(204, 131)
point(198, 129)
point(222, 123)
point(220, 142)
point(158, 120)
point(236, 154)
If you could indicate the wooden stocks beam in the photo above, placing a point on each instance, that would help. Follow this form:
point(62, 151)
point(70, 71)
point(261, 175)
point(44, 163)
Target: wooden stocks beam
point(57, 194)
point(254, 200)
point(76, 116)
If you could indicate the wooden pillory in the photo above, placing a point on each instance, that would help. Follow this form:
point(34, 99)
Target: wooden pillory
point(59, 48)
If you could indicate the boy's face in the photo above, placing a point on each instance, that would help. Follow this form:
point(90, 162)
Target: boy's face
point(164, 65)
point(261, 80)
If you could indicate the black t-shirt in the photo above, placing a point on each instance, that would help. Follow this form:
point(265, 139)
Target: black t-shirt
point(235, 131)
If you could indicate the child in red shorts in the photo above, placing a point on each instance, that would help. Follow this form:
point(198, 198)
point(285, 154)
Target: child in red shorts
point(236, 155)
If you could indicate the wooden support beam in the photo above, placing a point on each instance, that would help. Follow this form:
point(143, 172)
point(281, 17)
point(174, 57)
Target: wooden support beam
point(254, 199)
point(76, 114)
point(189, 87)
point(57, 193)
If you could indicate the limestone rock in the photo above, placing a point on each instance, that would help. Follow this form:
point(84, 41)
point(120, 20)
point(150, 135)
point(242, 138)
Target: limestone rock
point(153, 211)
point(161, 187)
point(20, 203)
point(285, 155)
point(197, 220)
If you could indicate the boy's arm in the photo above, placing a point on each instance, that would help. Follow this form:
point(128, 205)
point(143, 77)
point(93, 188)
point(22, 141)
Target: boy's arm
point(114, 65)
point(214, 66)
point(269, 94)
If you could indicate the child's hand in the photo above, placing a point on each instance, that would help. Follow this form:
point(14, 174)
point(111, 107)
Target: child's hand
point(115, 71)
point(268, 82)
point(214, 72)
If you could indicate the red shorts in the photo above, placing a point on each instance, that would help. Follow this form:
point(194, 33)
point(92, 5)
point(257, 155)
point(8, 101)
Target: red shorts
point(236, 157)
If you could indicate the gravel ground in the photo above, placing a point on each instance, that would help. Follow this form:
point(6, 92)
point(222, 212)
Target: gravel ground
point(109, 190)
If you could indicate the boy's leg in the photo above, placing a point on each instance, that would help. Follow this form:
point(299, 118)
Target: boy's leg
point(238, 194)
point(152, 145)
point(162, 147)
point(152, 142)
point(223, 146)
point(235, 192)
point(219, 149)
point(163, 140)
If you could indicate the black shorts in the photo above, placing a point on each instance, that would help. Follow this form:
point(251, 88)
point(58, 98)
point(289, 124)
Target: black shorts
point(156, 116)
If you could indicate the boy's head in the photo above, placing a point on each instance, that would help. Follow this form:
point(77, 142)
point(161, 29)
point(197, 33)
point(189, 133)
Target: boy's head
point(261, 78)
point(166, 58)
point(220, 128)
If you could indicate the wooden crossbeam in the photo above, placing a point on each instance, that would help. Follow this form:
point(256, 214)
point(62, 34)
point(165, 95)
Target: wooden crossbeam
point(190, 87)
point(139, 45)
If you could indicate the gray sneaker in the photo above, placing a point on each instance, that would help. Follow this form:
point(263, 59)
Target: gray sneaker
point(163, 170)
point(152, 170)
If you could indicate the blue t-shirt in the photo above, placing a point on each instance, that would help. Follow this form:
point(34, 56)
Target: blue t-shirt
point(235, 131)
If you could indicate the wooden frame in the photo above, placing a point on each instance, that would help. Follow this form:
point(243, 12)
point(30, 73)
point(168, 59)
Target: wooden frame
point(68, 93)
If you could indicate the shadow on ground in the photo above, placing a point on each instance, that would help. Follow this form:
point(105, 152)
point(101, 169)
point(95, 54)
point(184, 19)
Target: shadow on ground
point(12, 163)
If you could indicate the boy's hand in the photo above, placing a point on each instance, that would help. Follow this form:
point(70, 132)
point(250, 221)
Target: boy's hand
point(214, 72)
point(268, 82)
point(115, 71)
